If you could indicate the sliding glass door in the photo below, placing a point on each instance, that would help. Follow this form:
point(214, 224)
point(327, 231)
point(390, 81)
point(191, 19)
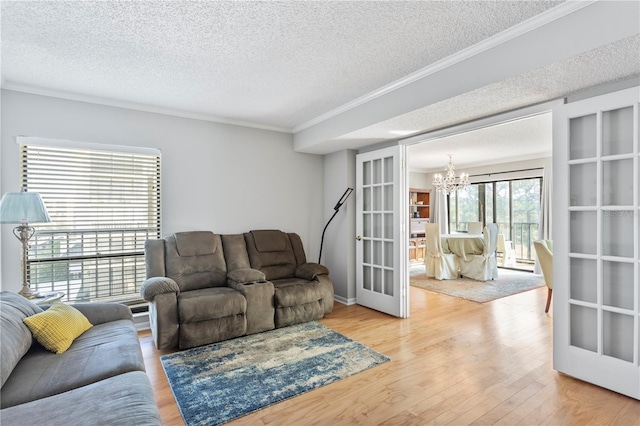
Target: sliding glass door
point(525, 208)
point(513, 204)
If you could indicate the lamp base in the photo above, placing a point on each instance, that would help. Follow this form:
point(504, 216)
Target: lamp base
point(26, 292)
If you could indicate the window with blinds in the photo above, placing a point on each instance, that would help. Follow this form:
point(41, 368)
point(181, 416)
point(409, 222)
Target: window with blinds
point(103, 206)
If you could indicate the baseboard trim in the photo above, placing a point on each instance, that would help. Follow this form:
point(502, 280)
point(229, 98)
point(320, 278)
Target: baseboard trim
point(344, 301)
point(141, 321)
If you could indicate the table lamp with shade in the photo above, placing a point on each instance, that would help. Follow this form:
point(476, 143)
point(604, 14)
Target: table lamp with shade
point(23, 208)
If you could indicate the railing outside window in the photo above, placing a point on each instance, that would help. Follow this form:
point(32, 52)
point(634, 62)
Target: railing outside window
point(89, 265)
point(524, 234)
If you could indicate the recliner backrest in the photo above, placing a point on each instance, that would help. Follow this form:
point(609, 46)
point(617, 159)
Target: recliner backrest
point(193, 260)
point(275, 253)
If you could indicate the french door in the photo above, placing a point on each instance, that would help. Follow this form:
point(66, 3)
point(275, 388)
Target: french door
point(596, 241)
point(381, 215)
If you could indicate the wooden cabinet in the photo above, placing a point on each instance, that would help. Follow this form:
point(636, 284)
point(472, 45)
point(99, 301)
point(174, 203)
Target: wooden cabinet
point(419, 206)
point(419, 203)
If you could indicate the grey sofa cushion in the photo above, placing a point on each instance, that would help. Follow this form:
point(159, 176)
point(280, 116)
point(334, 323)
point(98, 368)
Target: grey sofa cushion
point(103, 351)
point(103, 312)
point(16, 337)
point(122, 400)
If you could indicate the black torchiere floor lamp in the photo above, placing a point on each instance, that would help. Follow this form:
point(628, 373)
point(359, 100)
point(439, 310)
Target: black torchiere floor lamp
point(341, 201)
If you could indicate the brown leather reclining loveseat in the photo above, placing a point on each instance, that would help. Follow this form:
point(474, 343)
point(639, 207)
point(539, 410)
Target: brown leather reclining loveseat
point(204, 288)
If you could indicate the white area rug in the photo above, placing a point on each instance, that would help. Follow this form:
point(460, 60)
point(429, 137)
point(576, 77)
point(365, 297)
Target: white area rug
point(509, 282)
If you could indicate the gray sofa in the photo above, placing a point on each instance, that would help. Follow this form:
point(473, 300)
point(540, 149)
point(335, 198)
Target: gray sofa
point(99, 380)
point(204, 288)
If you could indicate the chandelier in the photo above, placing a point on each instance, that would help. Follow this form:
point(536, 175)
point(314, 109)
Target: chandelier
point(450, 183)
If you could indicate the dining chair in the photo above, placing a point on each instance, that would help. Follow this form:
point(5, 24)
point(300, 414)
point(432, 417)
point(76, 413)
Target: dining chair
point(508, 253)
point(483, 267)
point(474, 228)
point(442, 266)
point(544, 250)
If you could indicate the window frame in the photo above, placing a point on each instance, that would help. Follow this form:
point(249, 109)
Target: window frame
point(93, 250)
point(454, 223)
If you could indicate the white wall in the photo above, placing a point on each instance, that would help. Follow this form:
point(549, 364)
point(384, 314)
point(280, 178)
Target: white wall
point(419, 180)
point(338, 252)
point(218, 177)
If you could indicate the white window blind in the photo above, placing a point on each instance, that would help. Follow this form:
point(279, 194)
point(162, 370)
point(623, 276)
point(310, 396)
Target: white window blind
point(103, 206)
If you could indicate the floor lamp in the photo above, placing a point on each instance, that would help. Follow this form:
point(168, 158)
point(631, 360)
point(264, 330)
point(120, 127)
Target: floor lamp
point(341, 201)
point(23, 208)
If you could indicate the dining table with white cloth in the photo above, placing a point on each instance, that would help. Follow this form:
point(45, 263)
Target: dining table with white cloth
point(463, 245)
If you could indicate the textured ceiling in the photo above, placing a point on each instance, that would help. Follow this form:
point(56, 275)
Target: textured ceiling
point(278, 64)
point(285, 65)
point(515, 140)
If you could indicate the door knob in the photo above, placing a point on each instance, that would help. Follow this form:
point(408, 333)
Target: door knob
point(358, 238)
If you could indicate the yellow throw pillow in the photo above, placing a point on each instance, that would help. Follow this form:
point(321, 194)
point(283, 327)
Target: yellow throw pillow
point(57, 327)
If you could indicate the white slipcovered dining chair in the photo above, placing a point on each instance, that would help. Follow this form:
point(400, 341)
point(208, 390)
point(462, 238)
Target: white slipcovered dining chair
point(442, 266)
point(508, 252)
point(483, 267)
point(474, 228)
point(544, 250)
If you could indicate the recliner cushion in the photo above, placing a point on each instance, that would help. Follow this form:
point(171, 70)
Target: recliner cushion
point(210, 303)
point(296, 292)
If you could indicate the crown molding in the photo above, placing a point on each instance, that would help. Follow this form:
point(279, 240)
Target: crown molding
point(523, 27)
point(17, 87)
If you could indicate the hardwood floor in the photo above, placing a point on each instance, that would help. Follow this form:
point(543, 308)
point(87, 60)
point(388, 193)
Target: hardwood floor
point(453, 362)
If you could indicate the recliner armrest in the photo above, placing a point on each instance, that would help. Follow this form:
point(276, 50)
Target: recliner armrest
point(309, 271)
point(246, 276)
point(158, 285)
point(259, 295)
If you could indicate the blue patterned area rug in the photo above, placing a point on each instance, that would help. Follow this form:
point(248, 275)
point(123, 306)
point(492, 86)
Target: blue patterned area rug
point(220, 382)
